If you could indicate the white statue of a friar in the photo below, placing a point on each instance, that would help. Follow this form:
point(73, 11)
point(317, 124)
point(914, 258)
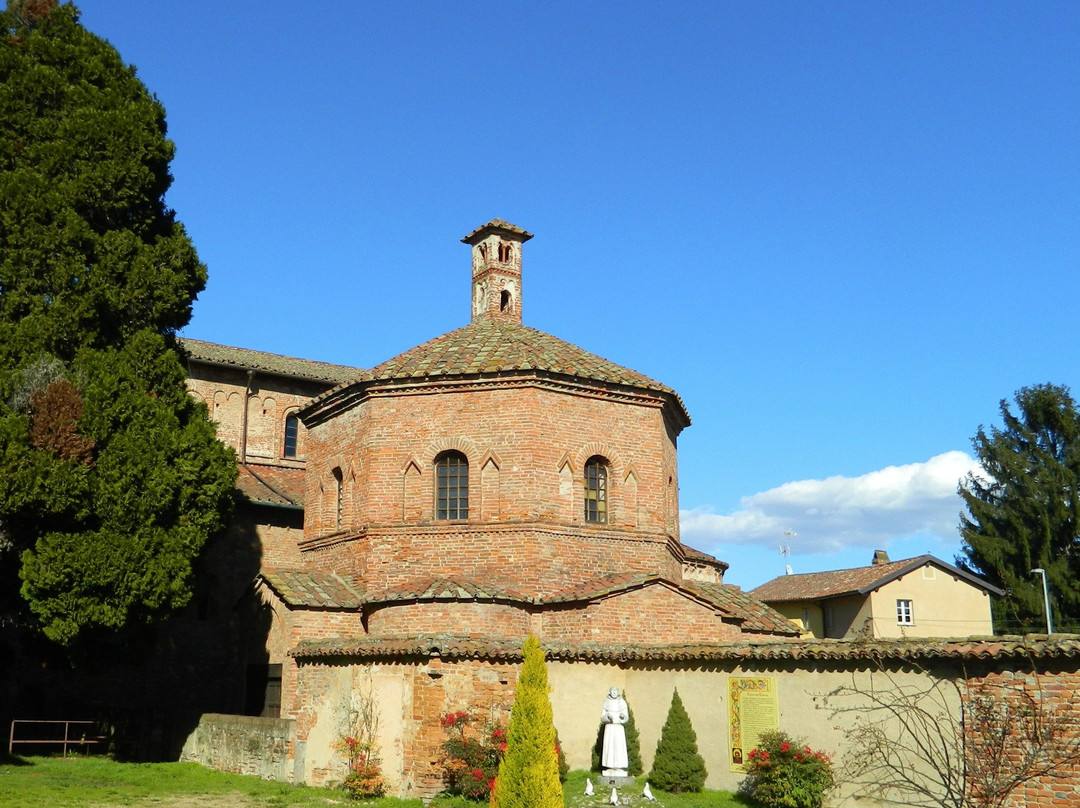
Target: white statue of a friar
point(615, 714)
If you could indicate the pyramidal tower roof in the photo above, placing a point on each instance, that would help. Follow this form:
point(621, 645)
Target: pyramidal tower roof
point(496, 342)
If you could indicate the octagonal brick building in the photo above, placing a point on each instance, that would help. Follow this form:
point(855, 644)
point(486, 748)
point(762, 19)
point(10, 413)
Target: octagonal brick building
point(493, 482)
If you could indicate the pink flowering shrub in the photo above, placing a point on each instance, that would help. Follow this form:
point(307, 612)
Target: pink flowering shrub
point(782, 773)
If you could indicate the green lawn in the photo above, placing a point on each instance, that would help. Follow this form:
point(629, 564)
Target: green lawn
point(98, 782)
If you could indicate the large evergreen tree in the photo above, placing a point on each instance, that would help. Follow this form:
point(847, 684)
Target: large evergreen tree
point(1023, 508)
point(111, 479)
point(529, 772)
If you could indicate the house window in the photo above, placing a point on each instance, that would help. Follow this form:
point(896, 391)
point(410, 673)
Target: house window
point(904, 614)
point(451, 486)
point(292, 427)
point(596, 490)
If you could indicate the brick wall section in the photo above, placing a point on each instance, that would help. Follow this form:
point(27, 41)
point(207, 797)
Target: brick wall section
point(1056, 692)
point(270, 400)
point(480, 620)
point(525, 433)
point(481, 689)
point(243, 745)
point(536, 559)
point(651, 615)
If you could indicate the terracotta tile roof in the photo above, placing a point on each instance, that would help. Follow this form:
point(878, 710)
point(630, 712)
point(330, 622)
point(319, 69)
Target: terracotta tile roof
point(751, 615)
point(245, 359)
point(446, 589)
point(757, 617)
point(856, 581)
point(313, 589)
point(694, 555)
point(1057, 647)
point(271, 485)
point(498, 224)
point(489, 347)
point(605, 585)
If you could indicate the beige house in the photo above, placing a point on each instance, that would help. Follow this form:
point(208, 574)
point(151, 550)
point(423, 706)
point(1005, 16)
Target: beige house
point(915, 597)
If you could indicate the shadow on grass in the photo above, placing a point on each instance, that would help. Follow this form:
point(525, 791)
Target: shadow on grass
point(14, 760)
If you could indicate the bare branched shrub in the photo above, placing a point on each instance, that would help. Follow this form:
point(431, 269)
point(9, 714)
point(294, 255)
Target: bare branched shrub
point(937, 741)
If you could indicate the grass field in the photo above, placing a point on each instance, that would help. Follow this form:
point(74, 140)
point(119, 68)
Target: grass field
point(98, 782)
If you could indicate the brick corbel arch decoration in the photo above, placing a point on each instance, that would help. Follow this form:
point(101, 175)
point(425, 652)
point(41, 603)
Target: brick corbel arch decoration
point(437, 447)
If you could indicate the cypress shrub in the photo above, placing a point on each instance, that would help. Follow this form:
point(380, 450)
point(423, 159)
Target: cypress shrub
point(529, 773)
point(633, 744)
point(677, 765)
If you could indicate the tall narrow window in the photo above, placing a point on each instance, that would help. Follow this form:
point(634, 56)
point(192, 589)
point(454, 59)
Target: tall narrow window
point(451, 486)
point(292, 428)
point(596, 490)
point(339, 485)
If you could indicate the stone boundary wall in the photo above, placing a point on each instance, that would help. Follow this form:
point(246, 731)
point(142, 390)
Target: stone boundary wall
point(241, 744)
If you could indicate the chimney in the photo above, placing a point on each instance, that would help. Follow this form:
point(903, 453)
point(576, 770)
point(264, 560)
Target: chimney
point(880, 557)
point(496, 270)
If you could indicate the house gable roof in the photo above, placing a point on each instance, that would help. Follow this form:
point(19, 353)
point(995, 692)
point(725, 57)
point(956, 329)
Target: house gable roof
point(855, 581)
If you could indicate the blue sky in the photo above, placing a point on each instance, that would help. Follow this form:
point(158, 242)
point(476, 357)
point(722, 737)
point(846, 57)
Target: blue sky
point(842, 231)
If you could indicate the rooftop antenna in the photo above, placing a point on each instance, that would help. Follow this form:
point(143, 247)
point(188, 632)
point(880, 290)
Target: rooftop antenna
point(785, 551)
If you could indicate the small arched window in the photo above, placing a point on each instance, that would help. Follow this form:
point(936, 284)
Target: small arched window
point(292, 431)
point(339, 485)
point(505, 251)
point(451, 486)
point(596, 477)
point(504, 301)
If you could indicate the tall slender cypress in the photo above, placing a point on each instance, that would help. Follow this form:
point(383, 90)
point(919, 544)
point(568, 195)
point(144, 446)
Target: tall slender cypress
point(529, 772)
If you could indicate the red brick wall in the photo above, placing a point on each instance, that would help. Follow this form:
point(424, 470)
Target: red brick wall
point(531, 559)
point(270, 400)
point(1055, 696)
point(519, 437)
point(481, 620)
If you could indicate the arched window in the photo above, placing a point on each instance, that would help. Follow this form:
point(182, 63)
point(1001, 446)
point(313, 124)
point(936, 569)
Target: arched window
point(292, 430)
point(339, 485)
point(451, 486)
point(596, 489)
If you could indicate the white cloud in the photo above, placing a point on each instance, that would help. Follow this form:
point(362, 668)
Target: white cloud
point(838, 513)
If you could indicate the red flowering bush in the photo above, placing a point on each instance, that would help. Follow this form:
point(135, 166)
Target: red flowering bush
point(364, 778)
point(471, 760)
point(783, 774)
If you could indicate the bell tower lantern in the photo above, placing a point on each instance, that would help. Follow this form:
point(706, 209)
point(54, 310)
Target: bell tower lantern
point(496, 270)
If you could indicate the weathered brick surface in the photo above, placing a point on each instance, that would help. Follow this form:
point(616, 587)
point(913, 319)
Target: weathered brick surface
point(520, 438)
point(466, 619)
point(1053, 694)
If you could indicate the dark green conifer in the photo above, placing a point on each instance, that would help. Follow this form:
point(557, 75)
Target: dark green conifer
point(111, 478)
point(677, 765)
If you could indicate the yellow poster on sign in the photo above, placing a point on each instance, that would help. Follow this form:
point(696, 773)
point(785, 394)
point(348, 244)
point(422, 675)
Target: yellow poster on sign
point(752, 710)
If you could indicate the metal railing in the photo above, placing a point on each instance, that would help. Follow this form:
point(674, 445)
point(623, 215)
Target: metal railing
point(80, 740)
